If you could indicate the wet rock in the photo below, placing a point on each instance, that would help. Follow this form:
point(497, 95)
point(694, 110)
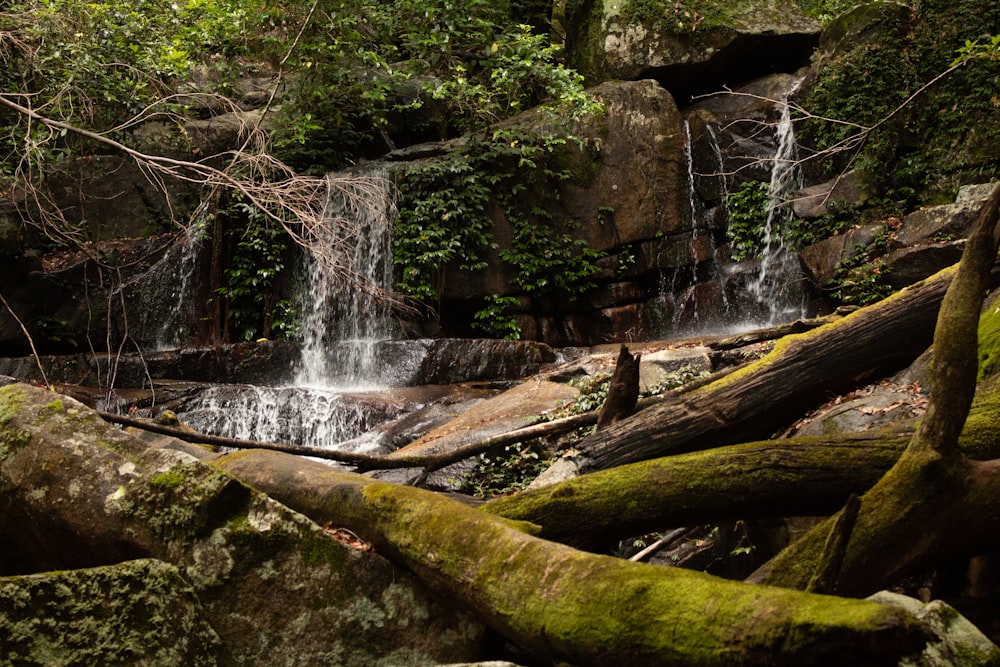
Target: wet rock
point(453, 360)
point(131, 613)
point(274, 586)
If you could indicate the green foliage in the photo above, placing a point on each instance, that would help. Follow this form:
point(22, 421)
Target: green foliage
point(259, 252)
point(861, 279)
point(495, 318)
point(747, 206)
point(444, 221)
point(522, 72)
point(676, 379)
point(470, 59)
point(946, 137)
point(826, 10)
point(507, 472)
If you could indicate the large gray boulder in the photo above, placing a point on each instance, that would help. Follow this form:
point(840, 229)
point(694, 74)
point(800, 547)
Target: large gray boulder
point(275, 587)
point(689, 44)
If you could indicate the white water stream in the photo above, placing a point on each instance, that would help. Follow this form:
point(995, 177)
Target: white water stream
point(343, 319)
point(776, 285)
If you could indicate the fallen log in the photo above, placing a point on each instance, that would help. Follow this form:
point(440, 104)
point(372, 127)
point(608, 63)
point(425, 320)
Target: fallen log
point(570, 605)
point(752, 480)
point(800, 372)
point(365, 462)
point(935, 500)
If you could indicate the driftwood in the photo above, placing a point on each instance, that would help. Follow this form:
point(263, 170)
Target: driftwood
point(623, 390)
point(752, 480)
point(814, 475)
point(569, 605)
point(366, 462)
point(798, 374)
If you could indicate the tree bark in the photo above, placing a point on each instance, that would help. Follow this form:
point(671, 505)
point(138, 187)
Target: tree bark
point(935, 498)
point(753, 480)
point(801, 371)
point(623, 390)
point(814, 475)
point(569, 605)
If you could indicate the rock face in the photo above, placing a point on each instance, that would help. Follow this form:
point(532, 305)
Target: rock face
point(274, 586)
point(625, 169)
point(690, 47)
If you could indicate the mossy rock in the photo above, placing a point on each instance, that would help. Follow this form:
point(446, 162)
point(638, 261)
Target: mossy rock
point(276, 587)
point(132, 613)
point(627, 39)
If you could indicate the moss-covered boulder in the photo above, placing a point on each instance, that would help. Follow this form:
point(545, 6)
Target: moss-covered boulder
point(136, 612)
point(870, 63)
point(687, 45)
point(276, 587)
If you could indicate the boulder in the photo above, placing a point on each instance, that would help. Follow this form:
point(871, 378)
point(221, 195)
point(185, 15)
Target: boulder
point(654, 366)
point(957, 641)
point(131, 613)
point(275, 587)
point(912, 263)
point(850, 189)
point(945, 222)
point(690, 46)
point(822, 260)
point(451, 360)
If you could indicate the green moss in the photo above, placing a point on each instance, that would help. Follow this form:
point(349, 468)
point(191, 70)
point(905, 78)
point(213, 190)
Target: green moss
point(989, 339)
point(945, 138)
point(186, 501)
point(138, 612)
point(168, 480)
point(56, 406)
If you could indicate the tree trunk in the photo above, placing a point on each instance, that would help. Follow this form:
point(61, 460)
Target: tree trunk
point(800, 372)
point(813, 475)
point(623, 390)
point(934, 499)
point(570, 605)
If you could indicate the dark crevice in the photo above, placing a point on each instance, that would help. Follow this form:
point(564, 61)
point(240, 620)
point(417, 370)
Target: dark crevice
point(746, 58)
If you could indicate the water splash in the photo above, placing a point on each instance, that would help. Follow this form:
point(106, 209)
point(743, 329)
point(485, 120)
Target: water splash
point(292, 415)
point(776, 286)
point(345, 313)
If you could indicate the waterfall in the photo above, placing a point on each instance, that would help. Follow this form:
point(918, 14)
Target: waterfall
point(344, 312)
point(776, 285)
point(171, 334)
point(348, 269)
point(291, 415)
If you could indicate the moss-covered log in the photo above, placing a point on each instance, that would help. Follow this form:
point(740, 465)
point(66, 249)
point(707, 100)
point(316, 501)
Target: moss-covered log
point(753, 480)
point(801, 372)
point(564, 603)
point(815, 475)
point(275, 587)
point(935, 499)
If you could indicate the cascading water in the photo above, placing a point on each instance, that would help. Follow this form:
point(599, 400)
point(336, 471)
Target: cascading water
point(776, 287)
point(343, 318)
point(189, 245)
